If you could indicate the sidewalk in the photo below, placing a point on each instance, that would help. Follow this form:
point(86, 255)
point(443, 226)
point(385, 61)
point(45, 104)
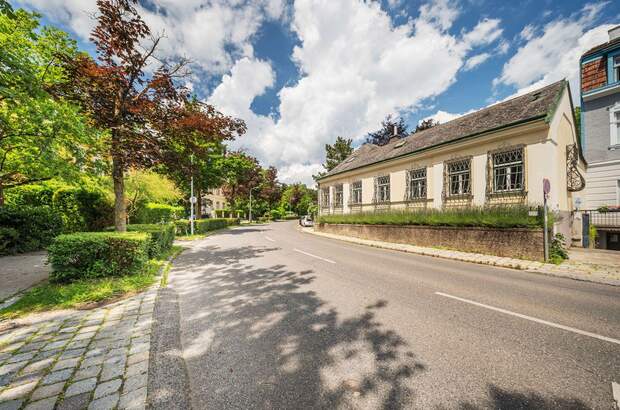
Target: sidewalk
point(578, 269)
point(20, 272)
point(95, 359)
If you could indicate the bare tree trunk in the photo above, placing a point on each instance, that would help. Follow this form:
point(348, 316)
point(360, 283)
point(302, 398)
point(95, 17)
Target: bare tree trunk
point(120, 209)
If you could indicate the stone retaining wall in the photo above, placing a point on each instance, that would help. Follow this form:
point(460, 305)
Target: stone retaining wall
point(513, 243)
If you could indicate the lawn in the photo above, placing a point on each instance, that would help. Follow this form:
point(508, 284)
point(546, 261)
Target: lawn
point(87, 292)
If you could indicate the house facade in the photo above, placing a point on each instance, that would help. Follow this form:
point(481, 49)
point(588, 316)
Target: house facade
point(498, 155)
point(212, 201)
point(600, 131)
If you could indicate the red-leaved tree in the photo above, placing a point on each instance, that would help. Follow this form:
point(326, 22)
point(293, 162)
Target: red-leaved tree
point(142, 108)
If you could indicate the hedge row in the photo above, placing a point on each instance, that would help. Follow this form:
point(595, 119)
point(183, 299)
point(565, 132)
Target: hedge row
point(202, 226)
point(154, 213)
point(98, 254)
point(26, 228)
point(161, 237)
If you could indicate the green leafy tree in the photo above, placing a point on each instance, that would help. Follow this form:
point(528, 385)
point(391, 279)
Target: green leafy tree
point(386, 132)
point(335, 154)
point(426, 124)
point(298, 198)
point(42, 135)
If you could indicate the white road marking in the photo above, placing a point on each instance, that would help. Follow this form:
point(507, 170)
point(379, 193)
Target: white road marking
point(269, 239)
point(314, 256)
point(533, 319)
point(615, 390)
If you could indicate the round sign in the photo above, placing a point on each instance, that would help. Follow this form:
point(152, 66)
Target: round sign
point(192, 200)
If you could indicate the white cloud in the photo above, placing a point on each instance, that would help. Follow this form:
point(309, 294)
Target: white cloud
point(444, 116)
point(554, 53)
point(213, 34)
point(476, 60)
point(528, 32)
point(356, 68)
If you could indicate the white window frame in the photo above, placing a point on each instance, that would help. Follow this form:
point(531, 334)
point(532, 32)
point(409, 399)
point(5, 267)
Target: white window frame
point(325, 197)
point(338, 196)
point(462, 178)
point(355, 188)
point(510, 178)
point(417, 184)
point(614, 125)
point(383, 189)
point(618, 192)
point(615, 62)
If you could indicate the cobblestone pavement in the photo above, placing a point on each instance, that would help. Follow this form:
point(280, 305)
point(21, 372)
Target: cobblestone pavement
point(606, 274)
point(95, 359)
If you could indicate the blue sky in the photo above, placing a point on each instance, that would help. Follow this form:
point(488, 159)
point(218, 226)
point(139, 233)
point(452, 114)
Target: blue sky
point(302, 72)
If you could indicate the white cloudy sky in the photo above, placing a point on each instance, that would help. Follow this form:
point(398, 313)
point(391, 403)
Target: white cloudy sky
point(302, 72)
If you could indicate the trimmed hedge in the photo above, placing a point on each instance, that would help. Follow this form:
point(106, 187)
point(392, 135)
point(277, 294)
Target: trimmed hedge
point(202, 226)
point(488, 217)
point(162, 237)
point(97, 254)
point(154, 213)
point(26, 228)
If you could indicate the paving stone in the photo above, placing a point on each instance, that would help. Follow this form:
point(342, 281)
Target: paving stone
point(72, 353)
point(17, 392)
point(119, 352)
point(12, 367)
point(31, 347)
point(87, 372)
point(139, 347)
point(46, 354)
point(78, 402)
point(12, 347)
point(84, 336)
point(21, 357)
point(39, 365)
point(138, 357)
point(91, 361)
point(66, 364)
point(104, 403)
point(71, 329)
point(25, 378)
point(11, 405)
point(110, 371)
point(81, 386)
point(45, 404)
point(106, 388)
point(6, 379)
point(58, 376)
point(55, 345)
point(141, 367)
point(135, 400)
point(135, 382)
point(47, 391)
point(4, 356)
point(88, 329)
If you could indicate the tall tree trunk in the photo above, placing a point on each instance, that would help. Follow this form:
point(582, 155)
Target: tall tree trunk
point(120, 209)
point(198, 204)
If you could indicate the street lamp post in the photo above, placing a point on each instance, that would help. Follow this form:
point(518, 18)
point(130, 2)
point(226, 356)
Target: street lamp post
point(251, 189)
point(192, 199)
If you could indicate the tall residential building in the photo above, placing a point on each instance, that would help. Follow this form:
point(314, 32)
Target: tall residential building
point(600, 134)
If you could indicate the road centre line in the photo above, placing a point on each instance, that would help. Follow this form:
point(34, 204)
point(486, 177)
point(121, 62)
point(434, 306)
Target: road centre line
point(314, 256)
point(269, 239)
point(533, 319)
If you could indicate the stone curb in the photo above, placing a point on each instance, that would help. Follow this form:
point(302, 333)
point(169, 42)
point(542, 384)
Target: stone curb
point(563, 271)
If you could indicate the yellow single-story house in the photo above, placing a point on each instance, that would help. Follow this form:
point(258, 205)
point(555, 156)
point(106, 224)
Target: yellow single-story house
point(497, 155)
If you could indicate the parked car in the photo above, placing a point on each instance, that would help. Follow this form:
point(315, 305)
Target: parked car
point(306, 221)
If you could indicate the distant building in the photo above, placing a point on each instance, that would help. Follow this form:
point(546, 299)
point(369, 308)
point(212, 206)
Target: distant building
point(600, 133)
point(498, 155)
point(212, 201)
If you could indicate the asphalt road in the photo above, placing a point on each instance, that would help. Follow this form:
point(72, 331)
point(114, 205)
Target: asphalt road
point(273, 318)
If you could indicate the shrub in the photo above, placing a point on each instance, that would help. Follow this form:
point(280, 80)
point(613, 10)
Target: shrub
point(81, 208)
point(233, 221)
point(206, 225)
point(154, 213)
point(290, 217)
point(26, 228)
point(181, 227)
point(557, 249)
point(275, 214)
point(491, 217)
point(97, 254)
point(161, 237)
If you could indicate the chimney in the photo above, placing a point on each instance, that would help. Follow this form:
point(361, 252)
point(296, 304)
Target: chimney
point(614, 33)
point(395, 130)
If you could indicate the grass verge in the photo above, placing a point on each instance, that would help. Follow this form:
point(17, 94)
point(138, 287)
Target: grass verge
point(489, 217)
point(87, 293)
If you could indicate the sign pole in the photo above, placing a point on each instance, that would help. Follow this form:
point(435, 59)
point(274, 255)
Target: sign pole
point(546, 190)
point(192, 200)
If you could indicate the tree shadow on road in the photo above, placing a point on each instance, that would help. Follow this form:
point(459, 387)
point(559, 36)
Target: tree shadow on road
point(262, 338)
point(513, 400)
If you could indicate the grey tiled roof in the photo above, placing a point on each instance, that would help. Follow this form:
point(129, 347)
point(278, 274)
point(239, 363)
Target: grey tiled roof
point(536, 104)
